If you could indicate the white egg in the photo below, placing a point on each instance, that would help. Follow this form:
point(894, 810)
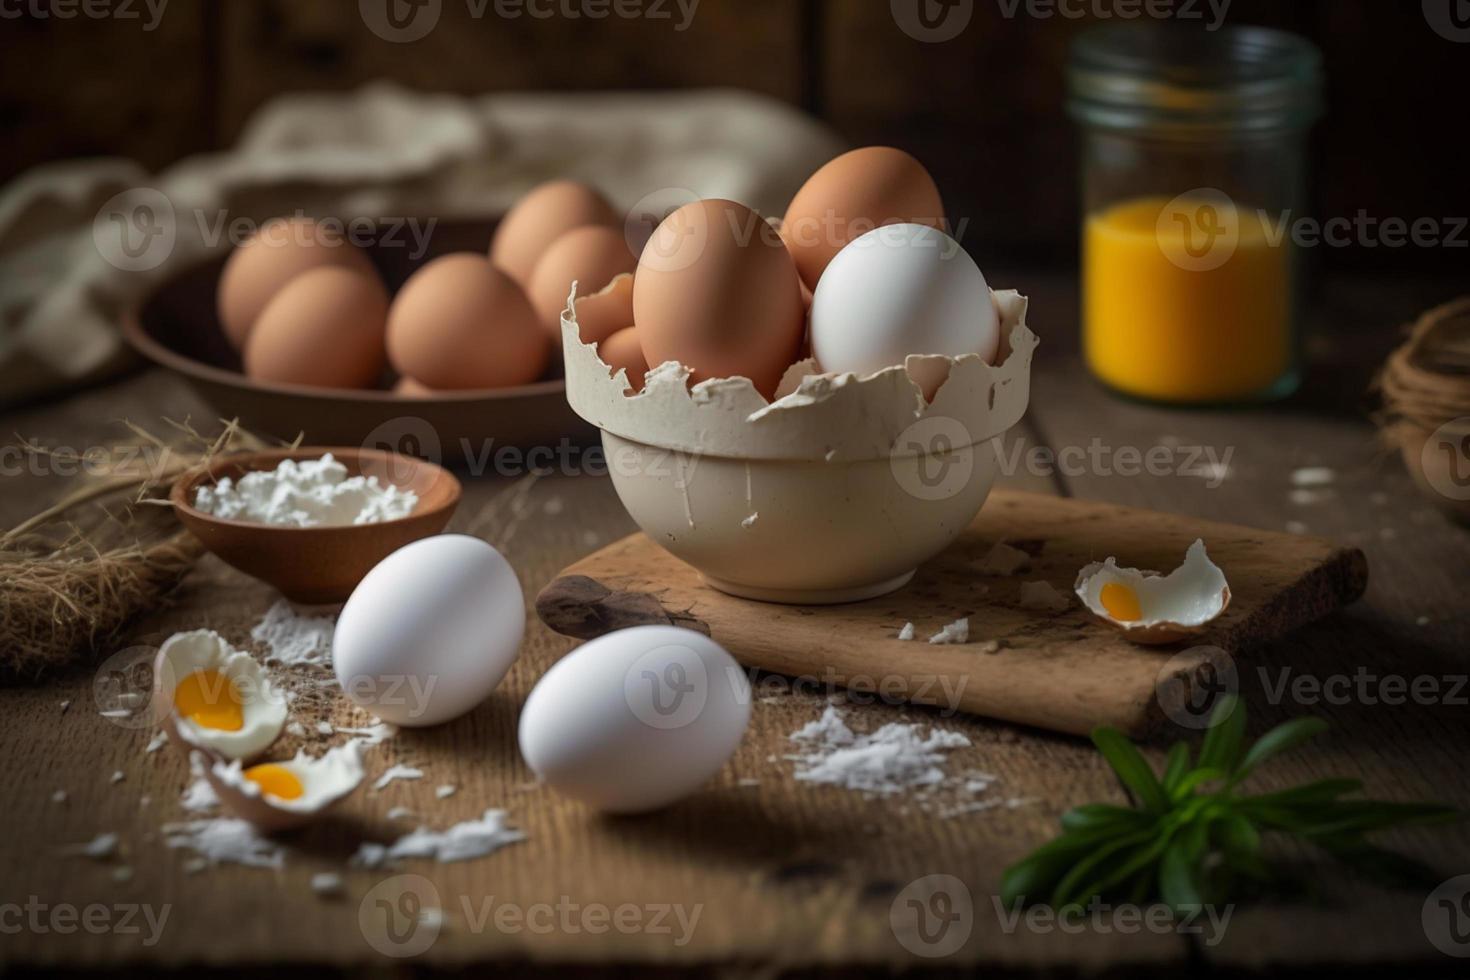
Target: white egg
point(430, 631)
point(899, 290)
point(636, 719)
point(213, 697)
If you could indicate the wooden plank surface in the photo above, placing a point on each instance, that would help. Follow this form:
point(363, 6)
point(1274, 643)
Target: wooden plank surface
point(1058, 671)
point(784, 872)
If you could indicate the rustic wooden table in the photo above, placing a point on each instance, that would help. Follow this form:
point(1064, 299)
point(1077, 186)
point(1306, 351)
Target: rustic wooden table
point(779, 873)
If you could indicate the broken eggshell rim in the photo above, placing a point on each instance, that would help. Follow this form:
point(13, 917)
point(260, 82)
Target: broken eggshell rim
point(816, 416)
point(1155, 631)
point(184, 733)
point(246, 798)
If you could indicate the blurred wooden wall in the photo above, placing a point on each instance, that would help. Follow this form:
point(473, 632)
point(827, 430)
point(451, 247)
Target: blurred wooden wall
point(984, 110)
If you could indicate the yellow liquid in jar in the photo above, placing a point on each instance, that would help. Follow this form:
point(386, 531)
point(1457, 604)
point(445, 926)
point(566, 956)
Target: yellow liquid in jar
point(1186, 303)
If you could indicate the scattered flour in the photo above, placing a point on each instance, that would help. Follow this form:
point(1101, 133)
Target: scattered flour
point(158, 741)
point(890, 760)
point(400, 813)
point(99, 848)
point(295, 638)
point(907, 633)
point(462, 842)
point(118, 776)
point(375, 734)
point(1002, 560)
point(59, 796)
point(224, 840)
point(1313, 476)
point(1043, 597)
point(393, 773)
point(64, 706)
point(326, 883)
point(956, 632)
point(750, 521)
point(199, 797)
point(296, 729)
point(444, 792)
point(305, 493)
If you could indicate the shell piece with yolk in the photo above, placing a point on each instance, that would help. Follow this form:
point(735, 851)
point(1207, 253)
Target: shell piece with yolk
point(210, 696)
point(291, 792)
point(1153, 608)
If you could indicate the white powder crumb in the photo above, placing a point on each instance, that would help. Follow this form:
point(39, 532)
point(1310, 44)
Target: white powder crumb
point(59, 796)
point(431, 918)
point(397, 772)
point(399, 813)
point(750, 521)
point(294, 638)
point(296, 729)
point(1422, 621)
point(122, 874)
point(158, 741)
point(988, 646)
point(444, 792)
point(1042, 597)
point(306, 493)
point(462, 842)
point(144, 800)
point(1313, 476)
point(99, 848)
point(1307, 496)
point(118, 776)
point(590, 538)
point(1295, 527)
point(890, 760)
point(907, 633)
point(224, 840)
point(747, 782)
point(64, 706)
point(324, 728)
point(326, 883)
point(553, 507)
point(1002, 560)
point(976, 806)
point(956, 632)
point(375, 734)
point(199, 797)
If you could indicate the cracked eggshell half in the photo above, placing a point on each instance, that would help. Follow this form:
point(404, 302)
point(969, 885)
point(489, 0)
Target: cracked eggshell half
point(280, 795)
point(213, 697)
point(1150, 608)
point(833, 491)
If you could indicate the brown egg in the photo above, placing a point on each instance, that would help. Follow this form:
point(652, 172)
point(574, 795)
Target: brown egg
point(851, 195)
point(280, 250)
point(591, 256)
point(604, 313)
point(409, 388)
point(324, 328)
point(622, 349)
point(716, 290)
point(459, 322)
point(541, 217)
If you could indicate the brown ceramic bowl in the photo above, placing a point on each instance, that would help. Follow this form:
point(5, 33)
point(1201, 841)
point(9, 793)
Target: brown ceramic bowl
point(315, 565)
point(176, 327)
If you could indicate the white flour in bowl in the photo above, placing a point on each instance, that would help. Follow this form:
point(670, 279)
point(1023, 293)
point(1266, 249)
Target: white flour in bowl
point(305, 493)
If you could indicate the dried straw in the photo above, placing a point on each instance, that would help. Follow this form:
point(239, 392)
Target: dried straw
point(74, 575)
point(1426, 382)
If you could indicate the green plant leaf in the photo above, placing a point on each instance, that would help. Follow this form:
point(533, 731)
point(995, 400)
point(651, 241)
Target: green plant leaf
point(1178, 885)
point(1096, 816)
point(1285, 736)
point(1226, 735)
point(1133, 771)
point(1176, 765)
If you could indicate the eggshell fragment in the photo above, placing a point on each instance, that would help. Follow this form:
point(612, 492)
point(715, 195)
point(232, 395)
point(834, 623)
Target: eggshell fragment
point(716, 291)
point(541, 217)
point(461, 323)
point(324, 328)
point(591, 257)
point(1171, 607)
point(636, 719)
point(263, 706)
point(325, 780)
point(605, 311)
point(281, 250)
point(851, 195)
point(623, 351)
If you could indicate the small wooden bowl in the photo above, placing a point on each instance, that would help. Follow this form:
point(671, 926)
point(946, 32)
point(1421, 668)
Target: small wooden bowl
point(315, 565)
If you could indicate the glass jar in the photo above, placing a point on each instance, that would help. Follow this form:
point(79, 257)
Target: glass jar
point(1193, 171)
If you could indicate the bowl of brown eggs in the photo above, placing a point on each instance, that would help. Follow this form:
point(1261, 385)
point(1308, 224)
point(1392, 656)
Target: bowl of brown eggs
point(433, 351)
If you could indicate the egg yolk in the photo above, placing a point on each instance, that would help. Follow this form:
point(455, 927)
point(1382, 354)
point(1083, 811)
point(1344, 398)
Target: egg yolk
point(274, 780)
point(1120, 602)
point(210, 700)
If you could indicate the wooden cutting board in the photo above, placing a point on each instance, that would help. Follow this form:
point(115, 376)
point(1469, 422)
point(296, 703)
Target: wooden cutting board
point(1054, 670)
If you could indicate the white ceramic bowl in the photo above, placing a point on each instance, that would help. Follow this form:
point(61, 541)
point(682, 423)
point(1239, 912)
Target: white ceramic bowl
point(835, 492)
